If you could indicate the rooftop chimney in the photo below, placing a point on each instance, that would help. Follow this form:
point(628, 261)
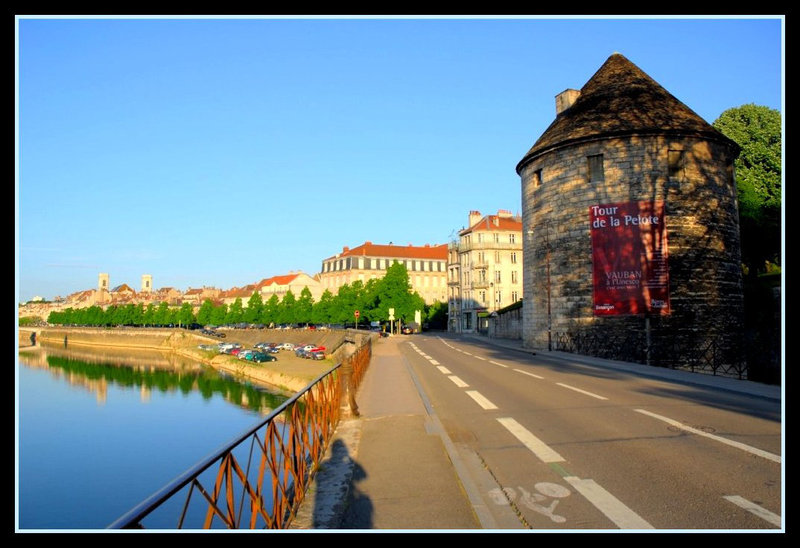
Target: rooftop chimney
point(474, 217)
point(566, 99)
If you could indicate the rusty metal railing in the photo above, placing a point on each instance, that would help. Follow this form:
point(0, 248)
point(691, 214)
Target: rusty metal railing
point(258, 480)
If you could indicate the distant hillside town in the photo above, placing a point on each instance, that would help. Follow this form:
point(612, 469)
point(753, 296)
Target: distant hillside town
point(443, 273)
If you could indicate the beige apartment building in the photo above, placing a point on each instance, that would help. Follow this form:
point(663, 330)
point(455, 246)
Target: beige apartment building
point(426, 265)
point(484, 269)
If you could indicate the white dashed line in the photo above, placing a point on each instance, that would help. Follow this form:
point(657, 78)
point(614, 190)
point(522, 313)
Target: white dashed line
point(434, 362)
point(527, 373)
point(443, 369)
point(458, 382)
point(621, 515)
point(753, 508)
point(537, 446)
point(498, 363)
point(581, 391)
point(483, 402)
point(742, 446)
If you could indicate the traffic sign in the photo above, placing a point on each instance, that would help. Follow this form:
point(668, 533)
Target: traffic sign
point(358, 313)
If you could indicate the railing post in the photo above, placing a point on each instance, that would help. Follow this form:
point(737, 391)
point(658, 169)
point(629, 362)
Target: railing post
point(348, 390)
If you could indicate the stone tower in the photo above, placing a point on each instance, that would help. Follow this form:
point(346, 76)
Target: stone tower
point(147, 283)
point(102, 288)
point(630, 226)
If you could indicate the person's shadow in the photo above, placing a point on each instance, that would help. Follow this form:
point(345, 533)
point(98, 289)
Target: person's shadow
point(340, 504)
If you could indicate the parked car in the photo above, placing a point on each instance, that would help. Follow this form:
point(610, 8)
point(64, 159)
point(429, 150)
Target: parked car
point(316, 355)
point(224, 348)
point(261, 357)
point(407, 330)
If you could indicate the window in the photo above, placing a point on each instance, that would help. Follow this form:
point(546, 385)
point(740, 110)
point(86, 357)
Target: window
point(513, 276)
point(537, 178)
point(483, 296)
point(497, 276)
point(595, 164)
point(513, 257)
point(512, 238)
point(497, 238)
point(676, 162)
point(497, 256)
point(514, 296)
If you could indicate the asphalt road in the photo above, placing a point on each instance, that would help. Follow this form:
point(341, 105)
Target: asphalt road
point(573, 446)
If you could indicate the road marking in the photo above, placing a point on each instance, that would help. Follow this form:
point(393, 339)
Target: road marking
point(608, 504)
point(443, 369)
point(529, 374)
point(458, 382)
point(753, 508)
point(483, 402)
point(742, 446)
point(480, 358)
point(581, 391)
point(537, 446)
point(498, 363)
point(467, 353)
point(434, 362)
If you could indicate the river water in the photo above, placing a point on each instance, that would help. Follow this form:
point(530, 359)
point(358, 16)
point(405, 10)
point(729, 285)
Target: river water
point(97, 433)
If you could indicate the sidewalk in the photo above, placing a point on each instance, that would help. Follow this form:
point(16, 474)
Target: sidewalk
point(366, 481)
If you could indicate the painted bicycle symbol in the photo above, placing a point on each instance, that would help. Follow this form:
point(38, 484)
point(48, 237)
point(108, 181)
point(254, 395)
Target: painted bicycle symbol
point(536, 501)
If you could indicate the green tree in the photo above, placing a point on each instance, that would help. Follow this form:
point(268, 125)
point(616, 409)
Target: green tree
point(321, 312)
point(162, 315)
point(185, 315)
point(394, 291)
point(219, 314)
point(235, 311)
point(205, 311)
point(286, 311)
point(436, 315)
point(149, 315)
point(254, 308)
point(757, 130)
point(304, 307)
point(138, 314)
point(269, 313)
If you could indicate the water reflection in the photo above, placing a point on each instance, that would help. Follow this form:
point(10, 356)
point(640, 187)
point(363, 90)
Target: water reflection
point(148, 370)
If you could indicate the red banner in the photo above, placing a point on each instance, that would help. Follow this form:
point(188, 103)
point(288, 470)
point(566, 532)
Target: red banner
point(629, 255)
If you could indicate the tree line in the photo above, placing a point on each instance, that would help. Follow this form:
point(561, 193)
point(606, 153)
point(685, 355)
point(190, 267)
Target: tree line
point(372, 300)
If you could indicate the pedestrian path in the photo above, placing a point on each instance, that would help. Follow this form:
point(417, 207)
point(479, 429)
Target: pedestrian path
point(391, 460)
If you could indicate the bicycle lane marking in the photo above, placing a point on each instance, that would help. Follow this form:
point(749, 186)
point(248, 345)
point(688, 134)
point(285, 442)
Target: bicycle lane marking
point(622, 516)
point(616, 511)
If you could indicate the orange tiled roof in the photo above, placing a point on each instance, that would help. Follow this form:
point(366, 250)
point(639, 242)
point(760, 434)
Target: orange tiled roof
point(495, 222)
point(368, 249)
point(285, 279)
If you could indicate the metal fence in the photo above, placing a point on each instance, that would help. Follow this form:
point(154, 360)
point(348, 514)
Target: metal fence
point(714, 356)
point(258, 480)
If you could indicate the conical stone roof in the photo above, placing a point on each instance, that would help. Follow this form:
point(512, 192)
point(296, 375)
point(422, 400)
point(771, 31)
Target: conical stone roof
point(619, 100)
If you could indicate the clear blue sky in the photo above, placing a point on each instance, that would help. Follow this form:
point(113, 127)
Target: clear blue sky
point(223, 151)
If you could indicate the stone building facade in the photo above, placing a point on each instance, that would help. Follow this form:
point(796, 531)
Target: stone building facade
point(426, 265)
point(484, 270)
point(623, 140)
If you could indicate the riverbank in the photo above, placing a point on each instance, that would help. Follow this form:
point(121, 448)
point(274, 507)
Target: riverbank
point(289, 374)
